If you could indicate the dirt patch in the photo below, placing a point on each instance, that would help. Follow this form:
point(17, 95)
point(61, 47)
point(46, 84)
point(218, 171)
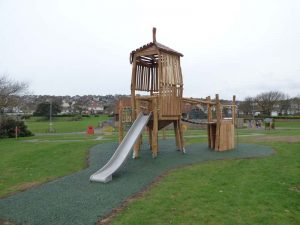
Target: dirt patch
point(27, 185)
point(296, 189)
point(289, 139)
point(20, 188)
point(2, 222)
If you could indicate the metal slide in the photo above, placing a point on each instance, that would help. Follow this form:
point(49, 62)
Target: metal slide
point(121, 154)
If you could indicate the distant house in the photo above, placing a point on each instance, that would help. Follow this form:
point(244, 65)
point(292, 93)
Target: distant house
point(295, 107)
point(67, 106)
point(95, 107)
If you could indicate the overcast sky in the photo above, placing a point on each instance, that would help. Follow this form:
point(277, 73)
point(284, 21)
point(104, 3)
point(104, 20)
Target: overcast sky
point(82, 47)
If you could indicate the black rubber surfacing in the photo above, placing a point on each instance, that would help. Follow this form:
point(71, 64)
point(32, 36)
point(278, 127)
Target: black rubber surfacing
point(75, 200)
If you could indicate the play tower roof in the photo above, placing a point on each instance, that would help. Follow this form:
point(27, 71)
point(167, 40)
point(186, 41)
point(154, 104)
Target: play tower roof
point(154, 45)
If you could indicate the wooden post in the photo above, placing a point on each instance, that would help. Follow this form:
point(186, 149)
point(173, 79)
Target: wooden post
point(219, 118)
point(150, 129)
point(154, 34)
point(177, 135)
point(181, 136)
point(155, 129)
point(209, 119)
point(133, 81)
point(160, 83)
point(16, 132)
point(233, 109)
point(138, 141)
point(209, 113)
point(234, 140)
point(121, 128)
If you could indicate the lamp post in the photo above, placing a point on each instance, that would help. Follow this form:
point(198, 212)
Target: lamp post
point(50, 118)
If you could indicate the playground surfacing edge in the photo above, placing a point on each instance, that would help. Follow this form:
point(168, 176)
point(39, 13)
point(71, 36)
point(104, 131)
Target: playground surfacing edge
point(75, 200)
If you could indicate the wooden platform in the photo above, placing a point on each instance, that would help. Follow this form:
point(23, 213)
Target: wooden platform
point(221, 138)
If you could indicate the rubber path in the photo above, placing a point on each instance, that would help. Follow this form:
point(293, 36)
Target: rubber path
point(74, 200)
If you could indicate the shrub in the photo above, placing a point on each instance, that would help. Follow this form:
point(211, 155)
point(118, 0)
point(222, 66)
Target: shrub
point(8, 126)
point(26, 117)
point(76, 118)
point(64, 115)
point(43, 109)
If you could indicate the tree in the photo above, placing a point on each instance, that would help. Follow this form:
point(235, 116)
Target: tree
point(284, 105)
point(8, 127)
point(43, 109)
point(267, 100)
point(9, 90)
point(296, 105)
point(247, 106)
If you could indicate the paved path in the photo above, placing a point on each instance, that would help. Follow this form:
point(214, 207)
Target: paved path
point(74, 200)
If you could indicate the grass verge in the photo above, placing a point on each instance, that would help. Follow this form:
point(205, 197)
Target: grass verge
point(258, 191)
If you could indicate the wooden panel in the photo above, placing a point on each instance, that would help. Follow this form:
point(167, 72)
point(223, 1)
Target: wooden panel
point(226, 139)
point(170, 85)
point(146, 78)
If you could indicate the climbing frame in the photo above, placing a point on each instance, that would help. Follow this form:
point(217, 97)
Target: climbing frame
point(156, 70)
point(157, 89)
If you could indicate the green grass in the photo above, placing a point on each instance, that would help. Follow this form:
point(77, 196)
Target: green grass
point(24, 164)
point(256, 191)
point(250, 191)
point(64, 124)
point(288, 124)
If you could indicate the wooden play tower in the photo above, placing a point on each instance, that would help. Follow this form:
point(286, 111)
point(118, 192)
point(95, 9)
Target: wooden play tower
point(156, 71)
point(157, 88)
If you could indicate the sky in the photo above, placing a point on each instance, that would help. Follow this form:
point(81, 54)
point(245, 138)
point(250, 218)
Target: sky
point(70, 47)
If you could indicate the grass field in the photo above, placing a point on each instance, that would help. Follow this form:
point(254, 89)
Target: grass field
point(287, 124)
point(64, 124)
point(25, 164)
point(29, 164)
point(255, 191)
point(258, 191)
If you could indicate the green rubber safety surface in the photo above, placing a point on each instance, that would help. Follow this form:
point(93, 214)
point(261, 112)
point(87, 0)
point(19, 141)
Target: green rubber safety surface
point(75, 200)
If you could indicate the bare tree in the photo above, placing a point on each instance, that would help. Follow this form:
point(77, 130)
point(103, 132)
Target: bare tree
point(9, 90)
point(285, 104)
point(247, 105)
point(267, 100)
point(296, 105)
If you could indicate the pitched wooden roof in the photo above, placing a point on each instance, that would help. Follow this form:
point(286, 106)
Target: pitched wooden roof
point(154, 43)
point(159, 46)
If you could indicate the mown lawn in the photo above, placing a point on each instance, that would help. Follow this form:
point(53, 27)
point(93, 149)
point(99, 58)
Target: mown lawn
point(250, 191)
point(26, 162)
point(64, 124)
point(287, 124)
